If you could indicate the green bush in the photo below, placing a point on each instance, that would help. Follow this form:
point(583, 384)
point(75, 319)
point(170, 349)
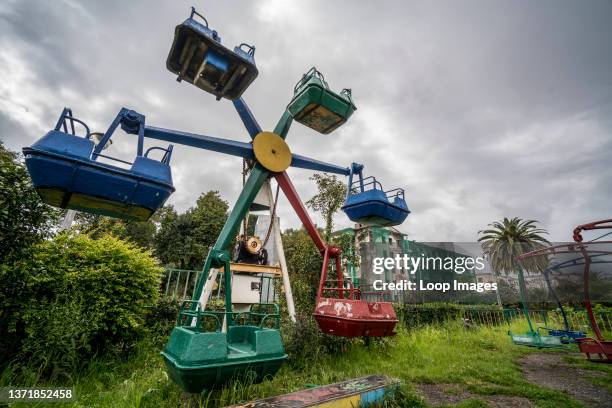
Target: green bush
point(420, 315)
point(302, 340)
point(24, 219)
point(72, 297)
point(57, 336)
point(417, 315)
point(160, 318)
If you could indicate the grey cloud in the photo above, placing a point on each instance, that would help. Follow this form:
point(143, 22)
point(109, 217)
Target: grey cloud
point(480, 109)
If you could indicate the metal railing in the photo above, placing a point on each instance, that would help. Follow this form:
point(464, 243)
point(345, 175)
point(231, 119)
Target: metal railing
point(260, 314)
point(577, 319)
point(179, 284)
point(494, 316)
point(359, 186)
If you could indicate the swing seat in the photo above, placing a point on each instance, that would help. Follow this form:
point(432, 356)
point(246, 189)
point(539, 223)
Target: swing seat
point(375, 206)
point(198, 360)
point(316, 106)
point(355, 318)
point(198, 57)
point(64, 174)
point(534, 339)
point(595, 350)
point(566, 335)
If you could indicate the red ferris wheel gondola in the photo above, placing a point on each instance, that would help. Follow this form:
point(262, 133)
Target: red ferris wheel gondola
point(340, 311)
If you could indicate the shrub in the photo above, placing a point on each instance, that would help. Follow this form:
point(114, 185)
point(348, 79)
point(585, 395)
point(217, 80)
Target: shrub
point(160, 318)
point(57, 336)
point(305, 343)
point(24, 219)
point(72, 297)
point(302, 340)
point(431, 313)
point(417, 315)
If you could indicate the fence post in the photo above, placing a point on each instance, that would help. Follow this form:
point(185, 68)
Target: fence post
point(169, 271)
point(186, 284)
point(178, 278)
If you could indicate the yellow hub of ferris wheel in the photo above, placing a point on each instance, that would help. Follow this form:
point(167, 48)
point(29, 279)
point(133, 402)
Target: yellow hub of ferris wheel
point(272, 151)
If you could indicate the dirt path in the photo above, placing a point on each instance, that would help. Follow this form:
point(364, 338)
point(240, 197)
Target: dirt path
point(437, 395)
point(544, 369)
point(549, 370)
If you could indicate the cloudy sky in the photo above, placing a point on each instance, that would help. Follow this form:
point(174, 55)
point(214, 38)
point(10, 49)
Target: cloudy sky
point(479, 109)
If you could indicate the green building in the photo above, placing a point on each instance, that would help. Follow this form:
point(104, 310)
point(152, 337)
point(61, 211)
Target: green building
point(388, 242)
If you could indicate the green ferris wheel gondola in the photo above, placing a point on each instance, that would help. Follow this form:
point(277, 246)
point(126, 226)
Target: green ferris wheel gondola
point(200, 355)
point(315, 105)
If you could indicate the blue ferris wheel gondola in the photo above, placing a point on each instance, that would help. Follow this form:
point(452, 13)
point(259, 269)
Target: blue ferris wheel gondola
point(65, 172)
point(198, 57)
point(367, 203)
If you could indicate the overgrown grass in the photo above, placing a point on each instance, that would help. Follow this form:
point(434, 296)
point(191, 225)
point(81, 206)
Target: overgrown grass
point(482, 360)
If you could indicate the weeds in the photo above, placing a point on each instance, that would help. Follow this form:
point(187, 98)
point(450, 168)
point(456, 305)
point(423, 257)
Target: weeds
point(481, 361)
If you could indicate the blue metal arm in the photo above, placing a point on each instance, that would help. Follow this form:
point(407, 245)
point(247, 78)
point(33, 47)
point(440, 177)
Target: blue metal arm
point(131, 122)
point(231, 147)
point(304, 162)
point(234, 148)
point(247, 117)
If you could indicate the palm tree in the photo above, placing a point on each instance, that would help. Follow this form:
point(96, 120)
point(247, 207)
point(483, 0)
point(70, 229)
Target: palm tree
point(504, 241)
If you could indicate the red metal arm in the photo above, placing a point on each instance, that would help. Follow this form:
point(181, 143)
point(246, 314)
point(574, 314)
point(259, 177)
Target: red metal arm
point(332, 252)
point(286, 185)
point(591, 226)
point(323, 277)
point(327, 251)
point(340, 278)
point(587, 298)
point(604, 224)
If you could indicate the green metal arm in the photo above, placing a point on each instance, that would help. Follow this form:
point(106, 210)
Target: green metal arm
point(219, 255)
point(523, 291)
point(283, 125)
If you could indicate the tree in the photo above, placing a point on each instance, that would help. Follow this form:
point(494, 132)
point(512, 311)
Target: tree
point(174, 243)
point(570, 287)
point(506, 240)
point(506, 290)
point(350, 253)
point(304, 260)
point(328, 200)
point(304, 263)
point(163, 246)
point(141, 233)
point(209, 216)
point(182, 240)
point(24, 218)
